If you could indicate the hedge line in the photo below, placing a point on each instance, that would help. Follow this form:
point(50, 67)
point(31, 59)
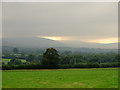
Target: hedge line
point(91, 65)
point(66, 66)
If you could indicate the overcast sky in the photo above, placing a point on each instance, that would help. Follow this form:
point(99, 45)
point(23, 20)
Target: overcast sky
point(70, 21)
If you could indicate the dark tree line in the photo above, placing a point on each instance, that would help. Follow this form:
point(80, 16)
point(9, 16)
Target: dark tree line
point(52, 59)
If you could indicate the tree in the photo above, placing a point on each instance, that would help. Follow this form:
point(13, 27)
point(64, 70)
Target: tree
point(39, 58)
point(14, 62)
point(30, 58)
point(50, 58)
point(15, 50)
point(65, 60)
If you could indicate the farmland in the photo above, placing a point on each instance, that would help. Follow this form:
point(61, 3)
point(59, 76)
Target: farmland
point(61, 78)
point(7, 60)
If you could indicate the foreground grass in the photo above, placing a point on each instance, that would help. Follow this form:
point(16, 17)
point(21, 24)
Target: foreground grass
point(63, 78)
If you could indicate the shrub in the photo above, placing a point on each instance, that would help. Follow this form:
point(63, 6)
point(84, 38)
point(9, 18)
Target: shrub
point(65, 66)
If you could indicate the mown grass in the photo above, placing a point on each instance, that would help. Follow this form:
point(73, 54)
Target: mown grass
point(7, 60)
point(62, 78)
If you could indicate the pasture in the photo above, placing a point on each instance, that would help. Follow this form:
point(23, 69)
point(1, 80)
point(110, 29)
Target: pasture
point(4, 60)
point(61, 78)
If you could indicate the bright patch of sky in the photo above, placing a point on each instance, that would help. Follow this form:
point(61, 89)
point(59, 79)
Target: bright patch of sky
point(87, 22)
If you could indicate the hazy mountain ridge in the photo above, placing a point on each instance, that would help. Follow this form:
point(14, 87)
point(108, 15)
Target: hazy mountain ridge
point(34, 42)
point(92, 45)
point(30, 42)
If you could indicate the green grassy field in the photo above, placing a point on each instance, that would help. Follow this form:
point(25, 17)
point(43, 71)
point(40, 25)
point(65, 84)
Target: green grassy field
point(62, 78)
point(7, 60)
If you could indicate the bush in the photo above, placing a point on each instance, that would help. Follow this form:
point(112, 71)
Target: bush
point(26, 66)
point(93, 65)
point(65, 66)
point(107, 65)
point(80, 65)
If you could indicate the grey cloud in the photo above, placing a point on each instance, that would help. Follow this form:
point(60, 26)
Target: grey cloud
point(95, 20)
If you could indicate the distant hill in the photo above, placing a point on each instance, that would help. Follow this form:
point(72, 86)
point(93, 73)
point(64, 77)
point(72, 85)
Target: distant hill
point(34, 42)
point(92, 45)
point(30, 42)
